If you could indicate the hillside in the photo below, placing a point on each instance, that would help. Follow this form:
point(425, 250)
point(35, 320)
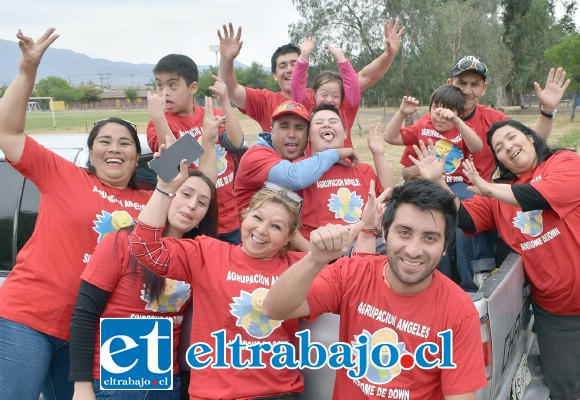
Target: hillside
point(78, 68)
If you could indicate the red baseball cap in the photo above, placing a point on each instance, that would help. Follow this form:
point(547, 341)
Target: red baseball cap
point(291, 108)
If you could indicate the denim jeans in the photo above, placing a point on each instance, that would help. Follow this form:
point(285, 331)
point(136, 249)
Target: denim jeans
point(475, 253)
point(31, 363)
point(174, 394)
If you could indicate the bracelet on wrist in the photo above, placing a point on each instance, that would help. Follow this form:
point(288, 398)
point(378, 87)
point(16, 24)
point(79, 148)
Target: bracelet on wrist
point(547, 114)
point(168, 194)
point(373, 231)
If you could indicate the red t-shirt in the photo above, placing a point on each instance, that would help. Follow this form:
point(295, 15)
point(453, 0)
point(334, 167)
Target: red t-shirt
point(110, 269)
point(226, 285)
point(449, 142)
point(260, 105)
point(76, 212)
point(193, 124)
point(480, 122)
point(547, 240)
point(338, 197)
point(253, 172)
point(354, 288)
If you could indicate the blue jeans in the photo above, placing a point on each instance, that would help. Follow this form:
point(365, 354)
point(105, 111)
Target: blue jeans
point(174, 394)
point(31, 363)
point(475, 253)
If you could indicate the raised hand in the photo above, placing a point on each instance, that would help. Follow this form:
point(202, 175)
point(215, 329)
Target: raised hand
point(155, 105)
point(328, 243)
point(220, 89)
point(375, 140)
point(429, 166)
point(409, 105)
point(372, 213)
point(211, 123)
point(230, 45)
point(393, 36)
point(307, 47)
point(556, 85)
point(480, 185)
point(446, 114)
point(335, 52)
point(31, 51)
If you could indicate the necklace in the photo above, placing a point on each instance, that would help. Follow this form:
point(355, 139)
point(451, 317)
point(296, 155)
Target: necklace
point(385, 275)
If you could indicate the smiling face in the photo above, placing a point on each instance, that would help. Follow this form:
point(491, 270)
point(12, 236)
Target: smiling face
point(514, 149)
point(265, 230)
point(329, 93)
point(289, 136)
point(284, 67)
point(473, 87)
point(114, 155)
point(189, 206)
point(415, 244)
point(326, 131)
point(178, 95)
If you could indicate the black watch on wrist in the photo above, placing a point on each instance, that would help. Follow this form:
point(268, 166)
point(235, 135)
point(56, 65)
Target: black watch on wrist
point(548, 115)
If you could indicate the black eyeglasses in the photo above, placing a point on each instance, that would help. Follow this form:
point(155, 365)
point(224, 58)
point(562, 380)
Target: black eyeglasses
point(112, 119)
point(466, 64)
point(281, 190)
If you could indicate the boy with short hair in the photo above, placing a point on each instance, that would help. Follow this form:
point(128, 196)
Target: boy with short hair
point(173, 113)
point(451, 135)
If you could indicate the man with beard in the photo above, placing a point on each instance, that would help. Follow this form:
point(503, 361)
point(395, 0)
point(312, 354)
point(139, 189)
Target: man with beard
point(399, 301)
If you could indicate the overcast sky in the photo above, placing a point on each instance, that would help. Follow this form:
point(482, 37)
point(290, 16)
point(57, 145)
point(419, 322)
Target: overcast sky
point(143, 31)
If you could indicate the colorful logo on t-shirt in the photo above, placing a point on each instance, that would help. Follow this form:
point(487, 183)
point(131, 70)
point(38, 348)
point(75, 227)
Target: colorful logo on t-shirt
point(376, 374)
point(529, 222)
point(222, 162)
point(248, 309)
point(175, 294)
point(454, 155)
point(346, 205)
point(107, 222)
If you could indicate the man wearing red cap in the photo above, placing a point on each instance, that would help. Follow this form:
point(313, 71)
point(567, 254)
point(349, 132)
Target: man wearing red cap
point(271, 158)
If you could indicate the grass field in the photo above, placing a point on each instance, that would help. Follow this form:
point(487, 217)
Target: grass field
point(564, 132)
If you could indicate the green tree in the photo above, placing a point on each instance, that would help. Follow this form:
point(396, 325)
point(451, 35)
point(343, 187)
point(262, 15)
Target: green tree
point(59, 89)
point(91, 93)
point(437, 33)
point(131, 93)
point(3, 90)
point(205, 81)
point(567, 55)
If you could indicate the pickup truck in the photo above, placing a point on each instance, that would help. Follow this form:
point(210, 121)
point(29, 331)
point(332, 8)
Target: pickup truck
point(503, 302)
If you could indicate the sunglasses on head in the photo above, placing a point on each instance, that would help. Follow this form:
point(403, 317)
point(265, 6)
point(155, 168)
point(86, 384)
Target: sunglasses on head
point(113, 120)
point(466, 64)
point(281, 190)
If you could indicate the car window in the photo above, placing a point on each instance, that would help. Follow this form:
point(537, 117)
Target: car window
point(10, 194)
point(19, 200)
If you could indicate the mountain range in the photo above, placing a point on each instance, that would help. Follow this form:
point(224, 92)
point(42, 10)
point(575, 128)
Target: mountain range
point(79, 68)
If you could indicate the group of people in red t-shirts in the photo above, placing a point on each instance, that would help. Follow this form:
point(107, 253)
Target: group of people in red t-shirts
point(249, 250)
